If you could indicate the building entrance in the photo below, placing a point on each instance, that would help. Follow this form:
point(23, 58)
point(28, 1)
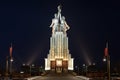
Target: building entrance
point(59, 66)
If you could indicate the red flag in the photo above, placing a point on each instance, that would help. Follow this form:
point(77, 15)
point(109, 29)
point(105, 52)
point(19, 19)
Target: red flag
point(11, 50)
point(106, 50)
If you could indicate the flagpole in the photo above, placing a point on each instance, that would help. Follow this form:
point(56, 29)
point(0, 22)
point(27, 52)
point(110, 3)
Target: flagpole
point(11, 60)
point(108, 66)
point(108, 61)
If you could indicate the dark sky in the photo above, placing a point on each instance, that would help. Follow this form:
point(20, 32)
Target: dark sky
point(92, 23)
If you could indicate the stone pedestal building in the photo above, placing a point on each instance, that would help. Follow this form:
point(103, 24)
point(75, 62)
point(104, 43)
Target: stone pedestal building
point(59, 59)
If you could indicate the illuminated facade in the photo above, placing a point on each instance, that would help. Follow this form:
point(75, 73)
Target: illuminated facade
point(59, 58)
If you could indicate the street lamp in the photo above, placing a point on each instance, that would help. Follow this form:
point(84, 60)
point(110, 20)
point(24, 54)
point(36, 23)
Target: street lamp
point(104, 59)
point(21, 73)
point(11, 60)
point(31, 66)
point(108, 66)
point(85, 69)
point(107, 58)
point(30, 70)
point(7, 66)
point(76, 69)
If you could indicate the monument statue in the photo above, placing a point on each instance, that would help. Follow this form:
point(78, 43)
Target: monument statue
point(59, 59)
point(59, 23)
point(64, 24)
point(54, 24)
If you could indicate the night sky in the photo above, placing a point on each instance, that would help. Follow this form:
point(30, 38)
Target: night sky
point(26, 24)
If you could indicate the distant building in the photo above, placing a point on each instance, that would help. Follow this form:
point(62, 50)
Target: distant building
point(59, 59)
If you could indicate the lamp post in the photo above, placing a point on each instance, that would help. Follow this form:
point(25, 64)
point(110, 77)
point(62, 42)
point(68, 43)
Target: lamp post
point(11, 60)
point(21, 74)
point(85, 69)
point(31, 66)
point(30, 70)
point(107, 58)
point(7, 66)
point(108, 66)
point(76, 69)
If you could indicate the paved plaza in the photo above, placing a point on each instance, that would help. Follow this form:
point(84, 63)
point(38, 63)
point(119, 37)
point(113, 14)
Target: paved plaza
point(52, 76)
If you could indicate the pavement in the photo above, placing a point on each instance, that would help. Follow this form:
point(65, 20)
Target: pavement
point(58, 77)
